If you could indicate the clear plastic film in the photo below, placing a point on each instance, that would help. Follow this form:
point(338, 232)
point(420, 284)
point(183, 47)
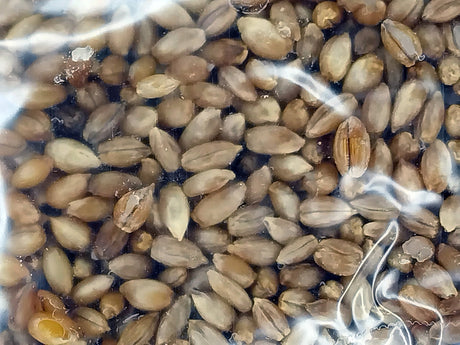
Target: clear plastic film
point(245, 172)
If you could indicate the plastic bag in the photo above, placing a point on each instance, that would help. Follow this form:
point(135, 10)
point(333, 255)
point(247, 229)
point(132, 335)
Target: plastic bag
point(230, 172)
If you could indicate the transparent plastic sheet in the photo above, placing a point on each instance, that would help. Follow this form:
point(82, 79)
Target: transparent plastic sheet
point(230, 172)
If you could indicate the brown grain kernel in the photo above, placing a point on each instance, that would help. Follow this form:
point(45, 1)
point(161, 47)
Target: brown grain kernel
point(440, 11)
point(255, 250)
point(305, 276)
point(178, 42)
point(171, 252)
point(173, 322)
point(110, 241)
point(449, 215)
point(436, 166)
point(230, 291)
point(328, 116)
point(347, 256)
point(206, 95)
point(404, 146)
point(266, 284)
point(366, 41)
point(327, 14)
point(324, 211)
point(449, 69)
point(34, 125)
point(393, 35)
point(175, 112)
point(213, 309)
point(140, 330)
point(351, 147)
point(337, 46)
point(270, 319)
point(91, 208)
point(263, 38)
point(113, 70)
point(442, 286)
point(225, 52)
point(372, 68)
point(419, 248)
